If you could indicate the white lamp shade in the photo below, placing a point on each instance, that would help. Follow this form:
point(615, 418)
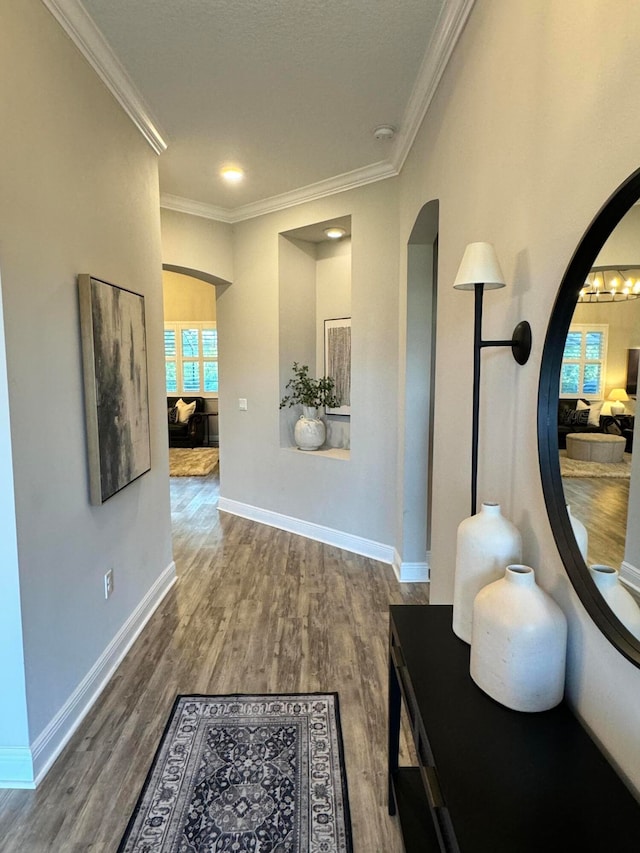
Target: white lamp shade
point(479, 266)
point(619, 395)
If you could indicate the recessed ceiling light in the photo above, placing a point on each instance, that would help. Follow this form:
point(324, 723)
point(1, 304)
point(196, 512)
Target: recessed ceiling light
point(335, 233)
point(232, 174)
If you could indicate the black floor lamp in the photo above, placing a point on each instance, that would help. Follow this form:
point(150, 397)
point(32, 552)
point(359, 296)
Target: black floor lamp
point(480, 271)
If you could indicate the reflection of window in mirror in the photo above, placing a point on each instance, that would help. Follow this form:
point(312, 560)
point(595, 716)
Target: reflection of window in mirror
point(584, 362)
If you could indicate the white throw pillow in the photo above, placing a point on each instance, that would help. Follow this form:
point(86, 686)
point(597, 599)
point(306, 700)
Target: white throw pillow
point(594, 414)
point(185, 410)
point(595, 410)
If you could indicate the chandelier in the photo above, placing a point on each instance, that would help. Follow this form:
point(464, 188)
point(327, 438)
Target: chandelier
point(607, 284)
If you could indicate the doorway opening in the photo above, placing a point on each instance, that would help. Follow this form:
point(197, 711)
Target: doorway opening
point(191, 361)
point(417, 418)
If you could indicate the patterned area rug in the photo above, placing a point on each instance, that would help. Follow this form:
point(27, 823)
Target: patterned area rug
point(246, 774)
point(577, 468)
point(196, 462)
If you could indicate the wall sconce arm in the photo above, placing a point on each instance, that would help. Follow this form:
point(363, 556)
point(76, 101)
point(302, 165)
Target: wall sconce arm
point(520, 342)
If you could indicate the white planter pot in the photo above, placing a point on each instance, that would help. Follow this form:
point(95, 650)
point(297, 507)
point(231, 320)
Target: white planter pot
point(617, 597)
point(309, 432)
point(519, 643)
point(580, 532)
point(486, 544)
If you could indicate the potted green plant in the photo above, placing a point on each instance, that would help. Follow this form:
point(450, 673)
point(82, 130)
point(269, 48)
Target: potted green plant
point(311, 394)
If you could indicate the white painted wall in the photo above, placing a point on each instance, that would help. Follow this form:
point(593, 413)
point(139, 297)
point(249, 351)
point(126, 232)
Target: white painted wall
point(186, 298)
point(513, 148)
point(333, 289)
point(297, 319)
point(197, 243)
point(333, 300)
point(254, 469)
point(14, 722)
point(413, 543)
point(79, 194)
point(623, 246)
point(632, 542)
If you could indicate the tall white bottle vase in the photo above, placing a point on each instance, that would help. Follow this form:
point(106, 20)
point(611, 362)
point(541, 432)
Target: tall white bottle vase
point(619, 599)
point(580, 533)
point(486, 544)
point(519, 643)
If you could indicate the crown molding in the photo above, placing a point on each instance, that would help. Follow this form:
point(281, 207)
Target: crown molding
point(312, 192)
point(450, 25)
point(330, 186)
point(196, 208)
point(79, 26)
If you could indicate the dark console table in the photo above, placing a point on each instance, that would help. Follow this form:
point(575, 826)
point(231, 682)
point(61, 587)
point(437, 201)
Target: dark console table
point(491, 779)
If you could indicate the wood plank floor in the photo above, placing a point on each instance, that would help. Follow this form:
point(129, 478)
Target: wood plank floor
point(601, 504)
point(255, 610)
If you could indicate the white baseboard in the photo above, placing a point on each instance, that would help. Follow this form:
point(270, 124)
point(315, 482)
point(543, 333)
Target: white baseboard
point(411, 572)
point(26, 768)
point(630, 576)
point(346, 541)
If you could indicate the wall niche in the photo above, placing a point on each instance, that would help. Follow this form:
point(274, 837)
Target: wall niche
point(314, 286)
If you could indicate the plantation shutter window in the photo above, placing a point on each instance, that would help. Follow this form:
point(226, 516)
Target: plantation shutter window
point(191, 357)
point(584, 362)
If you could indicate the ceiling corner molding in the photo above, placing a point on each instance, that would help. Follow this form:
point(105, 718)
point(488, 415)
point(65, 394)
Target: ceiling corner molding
point(312, 192)
point(79, 26)
point(445, 37)
point(195, 208)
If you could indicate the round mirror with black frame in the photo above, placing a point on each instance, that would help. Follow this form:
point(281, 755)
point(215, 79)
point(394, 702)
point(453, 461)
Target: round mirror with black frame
point(573, 282)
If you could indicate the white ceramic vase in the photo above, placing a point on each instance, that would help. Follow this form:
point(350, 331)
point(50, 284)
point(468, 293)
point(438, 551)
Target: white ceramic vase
point(580, 533)
point(620, 600)
point(309, 432)
point(486, 544)
point(519, 643)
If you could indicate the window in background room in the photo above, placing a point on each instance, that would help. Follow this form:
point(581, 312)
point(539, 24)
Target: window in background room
point(191, 358)
point(584, 362)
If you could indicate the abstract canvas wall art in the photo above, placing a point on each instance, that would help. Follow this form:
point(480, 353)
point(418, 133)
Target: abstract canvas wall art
point(114, 359)
point(337, 361)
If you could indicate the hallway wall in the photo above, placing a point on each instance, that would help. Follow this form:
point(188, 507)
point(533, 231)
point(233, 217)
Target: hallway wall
point(534, 125)
point(79, 195)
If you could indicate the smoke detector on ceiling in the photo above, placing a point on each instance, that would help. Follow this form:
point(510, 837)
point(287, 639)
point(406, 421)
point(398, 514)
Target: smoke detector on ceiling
point(384, 132)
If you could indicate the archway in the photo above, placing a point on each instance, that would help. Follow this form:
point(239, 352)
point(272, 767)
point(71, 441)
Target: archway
point(417, 418)
point(190, 311)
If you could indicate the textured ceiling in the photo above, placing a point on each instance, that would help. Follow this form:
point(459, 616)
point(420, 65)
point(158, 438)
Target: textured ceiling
point(289, 89)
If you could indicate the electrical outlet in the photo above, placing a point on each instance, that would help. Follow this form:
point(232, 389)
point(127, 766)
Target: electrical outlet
point(108, 583)
point(242, 404)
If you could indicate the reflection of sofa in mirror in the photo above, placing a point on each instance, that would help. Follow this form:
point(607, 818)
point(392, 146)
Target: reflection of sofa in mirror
point(190, 433)
point(575, 415)
point(573, 419)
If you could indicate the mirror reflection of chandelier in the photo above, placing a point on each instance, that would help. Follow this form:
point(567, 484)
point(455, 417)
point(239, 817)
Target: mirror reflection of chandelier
point(608, 284)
